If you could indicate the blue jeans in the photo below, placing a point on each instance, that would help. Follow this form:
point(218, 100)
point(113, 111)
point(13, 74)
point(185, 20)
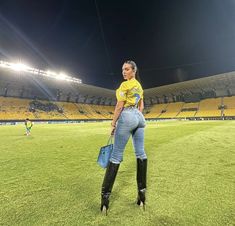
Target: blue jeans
point(131, 122)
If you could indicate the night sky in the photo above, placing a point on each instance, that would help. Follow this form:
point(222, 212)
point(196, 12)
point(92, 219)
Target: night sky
point(171, 41)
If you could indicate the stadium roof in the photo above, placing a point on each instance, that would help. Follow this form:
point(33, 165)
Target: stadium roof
point(17, 80)
point(96, 91)
point(220, 82)
point(216, 82)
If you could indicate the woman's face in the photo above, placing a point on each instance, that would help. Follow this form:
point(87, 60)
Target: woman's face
point(127, 71)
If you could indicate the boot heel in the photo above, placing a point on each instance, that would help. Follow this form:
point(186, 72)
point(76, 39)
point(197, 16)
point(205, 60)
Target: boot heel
point(141, 198)
point(104, 210)
point(104, 203)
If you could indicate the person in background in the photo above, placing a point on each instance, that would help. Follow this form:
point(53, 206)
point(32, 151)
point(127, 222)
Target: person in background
point(28, 126)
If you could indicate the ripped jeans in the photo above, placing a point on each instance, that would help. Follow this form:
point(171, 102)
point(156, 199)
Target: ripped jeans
point(131, 122)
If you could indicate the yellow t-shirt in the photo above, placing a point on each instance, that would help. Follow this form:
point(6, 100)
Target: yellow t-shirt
point(131, 92)
point(28, 124)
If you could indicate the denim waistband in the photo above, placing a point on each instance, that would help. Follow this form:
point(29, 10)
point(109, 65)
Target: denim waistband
point(130, 107)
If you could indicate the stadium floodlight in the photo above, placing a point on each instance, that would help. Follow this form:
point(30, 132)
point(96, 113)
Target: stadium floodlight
point(51, 74)
point(3, 64)
point(19, 67)
point(62, 76)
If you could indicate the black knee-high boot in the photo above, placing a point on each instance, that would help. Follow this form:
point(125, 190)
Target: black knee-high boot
point(141, 180)
point(107, 185)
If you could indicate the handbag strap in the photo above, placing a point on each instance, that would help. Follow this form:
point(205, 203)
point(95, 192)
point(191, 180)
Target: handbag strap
point(110, 140)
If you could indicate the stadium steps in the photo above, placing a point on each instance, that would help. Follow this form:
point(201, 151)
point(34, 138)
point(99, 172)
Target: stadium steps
point(197, 109)
point(163, 110)
point(229, 102)
point(172, 110)
point(179, 111)
point(209, 108)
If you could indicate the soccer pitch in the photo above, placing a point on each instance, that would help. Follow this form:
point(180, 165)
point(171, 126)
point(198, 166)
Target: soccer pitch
point(52, 178)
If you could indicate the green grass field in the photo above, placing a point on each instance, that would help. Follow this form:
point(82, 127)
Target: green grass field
point(52, 178)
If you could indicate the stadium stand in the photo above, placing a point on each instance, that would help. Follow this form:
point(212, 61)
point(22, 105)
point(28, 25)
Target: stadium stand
point(209, 108)
point(42, 98)
point(14, 109)
point(19, 109)
point(172, 110)
point(229, 106)
point(155, 111)
point(207, 97)
point(188, 110)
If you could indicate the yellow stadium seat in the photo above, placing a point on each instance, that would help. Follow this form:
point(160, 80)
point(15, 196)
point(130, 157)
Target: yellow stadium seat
point(209, 108)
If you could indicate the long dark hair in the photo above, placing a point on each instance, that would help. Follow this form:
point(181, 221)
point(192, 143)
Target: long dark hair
point(135, 69)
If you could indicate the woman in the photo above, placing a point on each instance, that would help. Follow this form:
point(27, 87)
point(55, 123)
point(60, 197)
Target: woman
point(128, 120)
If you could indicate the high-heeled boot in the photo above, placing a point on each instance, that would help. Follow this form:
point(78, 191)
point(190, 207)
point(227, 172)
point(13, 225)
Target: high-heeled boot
point(107, 185)
point(141, 181)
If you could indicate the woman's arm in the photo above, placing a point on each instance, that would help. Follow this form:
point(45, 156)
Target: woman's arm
point(141, 105)
point(117, 112)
